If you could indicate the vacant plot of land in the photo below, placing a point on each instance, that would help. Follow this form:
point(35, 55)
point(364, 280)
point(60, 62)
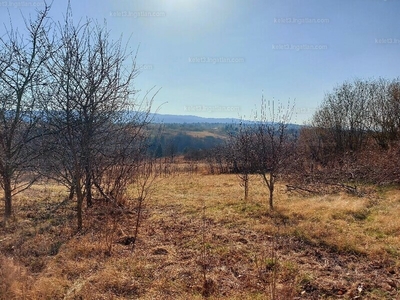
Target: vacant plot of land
point(198, 238)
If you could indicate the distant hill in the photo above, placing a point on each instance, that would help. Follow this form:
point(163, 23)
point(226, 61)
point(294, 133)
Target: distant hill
point(189, 119)
point(182, 119)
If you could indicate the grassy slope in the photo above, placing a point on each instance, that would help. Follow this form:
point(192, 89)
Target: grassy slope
point(333, 246)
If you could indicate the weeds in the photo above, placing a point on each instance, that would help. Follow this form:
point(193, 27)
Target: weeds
point(109, 232)
point(208, 283)
point(15, 282)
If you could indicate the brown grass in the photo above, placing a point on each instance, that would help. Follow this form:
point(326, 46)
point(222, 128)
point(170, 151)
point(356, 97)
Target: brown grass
point(196, 227)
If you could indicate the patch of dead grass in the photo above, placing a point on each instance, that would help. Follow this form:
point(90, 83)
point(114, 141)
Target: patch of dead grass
point(15, 281)
point(196, 226)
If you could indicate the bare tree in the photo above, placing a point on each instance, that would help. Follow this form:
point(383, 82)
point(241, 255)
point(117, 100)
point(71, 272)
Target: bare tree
point(340, 145)
point(273, 144)
point(117, 164)
point(242, 154)
point(143, 181)
point(22, 60)
point(343, 115)
point(91, 110)
point(384, 111)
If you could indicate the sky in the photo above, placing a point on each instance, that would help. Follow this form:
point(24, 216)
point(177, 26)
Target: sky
point(218, 58)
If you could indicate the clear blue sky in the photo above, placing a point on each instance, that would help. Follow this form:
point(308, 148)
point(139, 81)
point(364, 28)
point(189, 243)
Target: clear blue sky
point(216, 58)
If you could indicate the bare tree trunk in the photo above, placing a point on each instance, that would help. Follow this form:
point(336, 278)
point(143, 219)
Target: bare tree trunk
point(71, 192)
point(7, 198)
point(88, 187)
point(245, 179)
point(270, 182)
point(79, 196)
point(271, 187)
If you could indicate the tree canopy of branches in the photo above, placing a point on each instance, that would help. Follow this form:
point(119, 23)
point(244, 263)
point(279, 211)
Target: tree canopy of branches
point(274, 145)
point(97, 135)
point(355, 109)
point(343, 115)
point(355, 133)
point(22, 59)
point(384, 111)
point(241, 154)
point(265, 146)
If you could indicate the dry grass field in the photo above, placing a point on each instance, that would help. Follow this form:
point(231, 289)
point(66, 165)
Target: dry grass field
point(198, 239)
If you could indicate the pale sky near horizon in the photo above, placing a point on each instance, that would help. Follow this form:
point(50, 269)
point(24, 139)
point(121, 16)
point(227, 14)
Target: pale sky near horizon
point(216, 58)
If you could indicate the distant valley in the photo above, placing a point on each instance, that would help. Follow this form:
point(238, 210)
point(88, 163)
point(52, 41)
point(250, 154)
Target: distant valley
point(192, 136)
